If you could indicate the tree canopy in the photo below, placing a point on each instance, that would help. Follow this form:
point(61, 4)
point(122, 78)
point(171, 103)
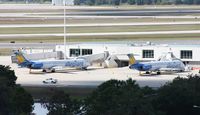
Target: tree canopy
point(180, 96)
point(120, 97)
point(116, 97)
point(14, 100)
point(60, 103)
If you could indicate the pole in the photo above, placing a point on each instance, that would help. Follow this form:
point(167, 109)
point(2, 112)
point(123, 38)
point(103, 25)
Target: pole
point(64, 32)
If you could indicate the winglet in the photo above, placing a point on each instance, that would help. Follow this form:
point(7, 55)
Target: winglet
point(131, 59)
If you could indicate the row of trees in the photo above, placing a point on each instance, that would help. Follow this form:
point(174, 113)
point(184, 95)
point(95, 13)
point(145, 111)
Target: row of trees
point(114, 97)
point(135, 2)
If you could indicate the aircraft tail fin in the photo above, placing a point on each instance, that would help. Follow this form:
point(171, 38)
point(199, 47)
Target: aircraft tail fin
point(21, 58)
point(131, 59)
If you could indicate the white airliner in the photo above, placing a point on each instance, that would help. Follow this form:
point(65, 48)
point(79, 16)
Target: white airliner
point(51, 65)
point(172, 64)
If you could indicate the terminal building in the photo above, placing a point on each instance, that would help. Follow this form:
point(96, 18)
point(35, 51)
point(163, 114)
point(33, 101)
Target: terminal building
point(62, 2)
point(189, 54)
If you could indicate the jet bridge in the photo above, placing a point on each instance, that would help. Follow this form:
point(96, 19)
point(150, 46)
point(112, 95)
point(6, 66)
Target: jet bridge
point(96, 58)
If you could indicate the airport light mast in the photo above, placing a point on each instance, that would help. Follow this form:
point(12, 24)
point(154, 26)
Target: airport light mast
point(64, 30)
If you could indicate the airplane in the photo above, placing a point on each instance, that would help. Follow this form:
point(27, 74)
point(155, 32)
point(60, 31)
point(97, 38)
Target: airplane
point(51, 65)
point(172, 64)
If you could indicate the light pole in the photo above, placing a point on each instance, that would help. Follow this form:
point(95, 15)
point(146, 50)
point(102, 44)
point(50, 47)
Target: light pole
point(64, 32)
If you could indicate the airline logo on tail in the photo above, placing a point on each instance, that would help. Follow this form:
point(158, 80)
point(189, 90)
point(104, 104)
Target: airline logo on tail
point(131, 59)
point(21, 59)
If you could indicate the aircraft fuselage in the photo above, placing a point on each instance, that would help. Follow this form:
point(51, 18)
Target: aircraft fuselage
point(175, 65)
point(74, 63)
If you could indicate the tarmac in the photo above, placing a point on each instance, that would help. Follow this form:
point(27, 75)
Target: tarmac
point(53, 45)
point(93, 77)
point(98, 24)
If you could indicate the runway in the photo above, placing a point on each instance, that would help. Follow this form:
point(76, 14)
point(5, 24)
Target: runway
point(49, 6)
point(97, 24)
point(28, 12)
point(108, 12)
point(97, 17)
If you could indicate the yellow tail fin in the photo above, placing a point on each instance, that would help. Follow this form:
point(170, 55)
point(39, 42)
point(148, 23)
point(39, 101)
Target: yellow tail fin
point(131, 59)
point(20, 57)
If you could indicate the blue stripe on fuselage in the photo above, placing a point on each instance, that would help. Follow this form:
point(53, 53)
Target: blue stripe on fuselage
point(75, 63)
point(141, 67)
point(36, 65)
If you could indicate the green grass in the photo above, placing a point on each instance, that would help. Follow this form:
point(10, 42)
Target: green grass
point(159, 6)
point(104, 38)
point(98, 29)
point(5, 51)
point(133, 28)
point(126, 20)
point(32, 39)
point(102, 7)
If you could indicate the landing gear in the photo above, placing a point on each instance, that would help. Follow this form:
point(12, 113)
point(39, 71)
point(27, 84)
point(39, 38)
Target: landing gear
point(48, 70)
point(84, 68)
point(53, 70)
point(140, 74)
point(158, 73)
point(44, 70)
point(147, 72)
point(181, 71)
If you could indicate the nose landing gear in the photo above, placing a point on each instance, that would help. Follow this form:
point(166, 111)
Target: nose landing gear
point(48, 70)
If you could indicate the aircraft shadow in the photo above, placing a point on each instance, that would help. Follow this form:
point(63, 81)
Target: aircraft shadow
point(58, 71)
point(162, 73)
point(68, 71)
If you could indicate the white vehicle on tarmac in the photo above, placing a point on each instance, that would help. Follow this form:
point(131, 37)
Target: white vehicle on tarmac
point(50, 80)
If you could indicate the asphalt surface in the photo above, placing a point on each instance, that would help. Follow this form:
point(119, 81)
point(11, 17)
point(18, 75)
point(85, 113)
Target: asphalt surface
point(98, 17)
point(5, 36)
point(97, 24)
point(35, 11)
point(93, 13)
point(28, 45)
point(107, 11)
point(52, 45)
